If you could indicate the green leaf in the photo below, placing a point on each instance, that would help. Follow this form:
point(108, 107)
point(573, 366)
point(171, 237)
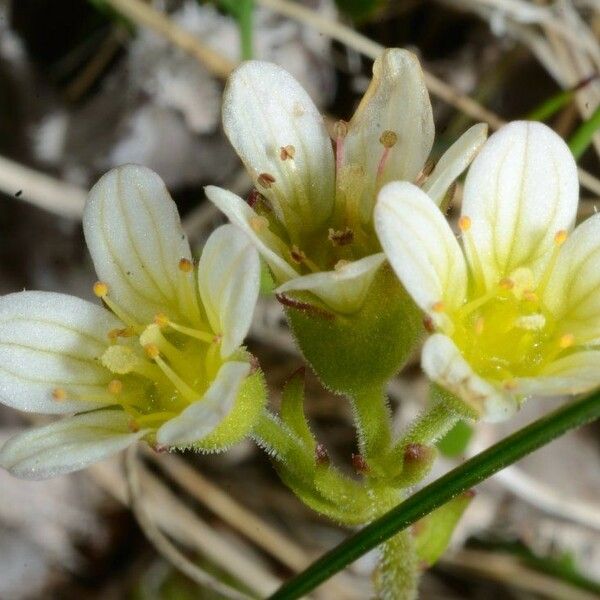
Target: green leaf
point(292, 409)
point(433, 532)
point(584, 134)
point(442, 490)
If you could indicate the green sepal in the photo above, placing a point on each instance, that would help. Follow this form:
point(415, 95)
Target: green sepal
point(455, 442)
point(267, 283)
point(351, 353)
point(248, 407)
point(433, 532)
point(292, 409)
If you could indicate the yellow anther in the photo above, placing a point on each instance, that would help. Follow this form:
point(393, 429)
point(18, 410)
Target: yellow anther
point(266, 180)
point(161, 320)
point(115, 387)
point(133, 426)
point(566, 340)
point(340, 129)
point(510, 385)
point(125, 332)
point(479, 325)
point(506, 283)
point(258, 223)
point(186, 265)
point(100, 289)
point(530, 296)
point(287, 152)
point(561, 237)
point(464, 223)
point(388, 138)
point(152, 351)
point(438, 307)
point(59, 394)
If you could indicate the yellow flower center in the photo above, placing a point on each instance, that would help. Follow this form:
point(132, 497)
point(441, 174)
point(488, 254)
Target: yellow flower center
point(160, 367)
point(507, 332)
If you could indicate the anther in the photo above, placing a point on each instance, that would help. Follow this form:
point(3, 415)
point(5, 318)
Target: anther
point(266, 180)
point(509, 385)
point(59, 394)
point(133, 426)
point(506, 283)
point(297, 255)
point(438, 307)
point(152, 351)
point(359, 463)
point(429, 324)
point(464, 223)
point(530, 296)
point(425, 172)
point(566, 340)
point(186, 265)
point(100, 289)
point(258, 223)
point(388, 139)
point(161, 320)
point(124, 332)
point(115, 387)
point(561, 237)
point(321, 455)
point(287, 152)
point(341, 238)
point(340, 129)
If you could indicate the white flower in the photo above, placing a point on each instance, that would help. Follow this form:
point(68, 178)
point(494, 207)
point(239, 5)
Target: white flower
point(313, 219)
point(163, 364)
point(517, 308)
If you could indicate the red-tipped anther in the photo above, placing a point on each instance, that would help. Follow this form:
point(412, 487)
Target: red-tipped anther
point(321, 455)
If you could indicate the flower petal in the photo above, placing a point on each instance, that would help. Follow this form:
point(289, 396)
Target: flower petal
point(454, 161)
point(397, 101)
point(421, 247)
point(520, 191)
point(344, 289)
point(574, 374)
point(202, 417)
point(229, 282)
point(67, 445)
point(572, 293)
point(52, 341)
point(134, 234)
point(264, 110)
point(242, 216)
point(443, 363)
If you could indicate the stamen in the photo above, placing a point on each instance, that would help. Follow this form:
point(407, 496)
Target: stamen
point(388, 140)
point(560, 237)
point(204, 336)
point(479, 325)
point(510, 385)
point(101, 291)
point(287, 152)
point(341, 238)
point(188, 293)
point(340, 130)
point(258, 224)
point(266, 180)
point(566, 340)
point(421, 178)
point(59, 394)
point(299, 257)
point(115, 387)
point(474, 262)
point(530, 296)
point(182, 387)
point(506, 283)
point(115, 334)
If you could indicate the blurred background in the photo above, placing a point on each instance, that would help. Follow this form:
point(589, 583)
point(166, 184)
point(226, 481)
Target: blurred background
point(88, 85)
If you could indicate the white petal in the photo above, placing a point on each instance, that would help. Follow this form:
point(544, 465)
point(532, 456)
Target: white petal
point(520, 190)
point(134, 234)
point(242, 216)
point(344, 289)
point(573, 290)
point(266, 109)
point(396, 100)
point(454, 161)
point(420, 246)
point(68, 445)
point(204, 416)
point(443, 363)
point(229, 282)
point(574, 374)
point(50, 341)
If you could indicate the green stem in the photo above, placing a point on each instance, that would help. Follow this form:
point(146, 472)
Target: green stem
point(582, 138)
point(244, 19)
point(373, 423)
point(442, 490)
